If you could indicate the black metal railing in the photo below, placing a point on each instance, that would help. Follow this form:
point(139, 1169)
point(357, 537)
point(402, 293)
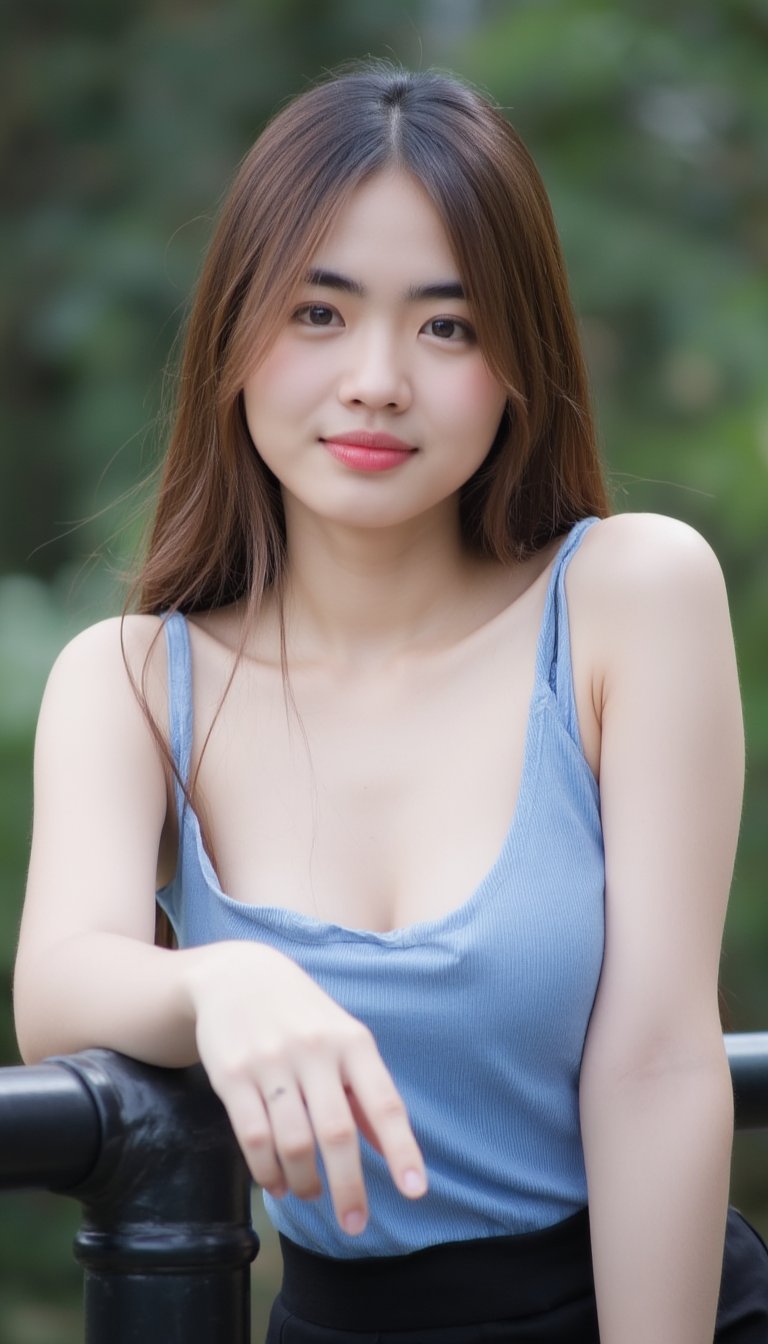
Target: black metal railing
point(748, 1058)
point(166, 1239)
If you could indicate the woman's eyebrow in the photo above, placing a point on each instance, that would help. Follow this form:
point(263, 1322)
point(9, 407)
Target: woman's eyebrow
point(442, 289)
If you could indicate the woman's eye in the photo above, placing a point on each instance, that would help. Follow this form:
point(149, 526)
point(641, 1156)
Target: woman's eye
point(316, 314)
point(449, 329)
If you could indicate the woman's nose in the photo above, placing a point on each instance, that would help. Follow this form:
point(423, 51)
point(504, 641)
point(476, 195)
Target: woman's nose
point(375, 374)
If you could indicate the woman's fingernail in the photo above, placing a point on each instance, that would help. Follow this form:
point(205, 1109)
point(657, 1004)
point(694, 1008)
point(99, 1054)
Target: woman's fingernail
point(354, 1222)
point(414, 1183)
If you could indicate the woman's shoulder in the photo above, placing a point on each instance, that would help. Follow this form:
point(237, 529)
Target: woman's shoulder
point(641, 584)
point(111, 641)
point(105, 663)
point(630, 558)
point(646, 542)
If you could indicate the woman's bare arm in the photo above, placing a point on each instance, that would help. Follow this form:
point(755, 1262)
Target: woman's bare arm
point(656, 1102)
point(99, 810)
point(294, 1070)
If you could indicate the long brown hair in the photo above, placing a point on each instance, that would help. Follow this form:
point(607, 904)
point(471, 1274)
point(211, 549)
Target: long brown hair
point(218, 532)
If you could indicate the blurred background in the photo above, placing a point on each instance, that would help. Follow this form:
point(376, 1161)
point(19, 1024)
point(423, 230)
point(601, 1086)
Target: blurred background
point(123, 125)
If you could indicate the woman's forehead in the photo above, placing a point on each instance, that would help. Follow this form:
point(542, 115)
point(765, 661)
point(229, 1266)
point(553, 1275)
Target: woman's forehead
point(389, 228)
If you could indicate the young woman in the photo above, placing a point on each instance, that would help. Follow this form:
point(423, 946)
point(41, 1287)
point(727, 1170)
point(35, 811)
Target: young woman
point(437, 766)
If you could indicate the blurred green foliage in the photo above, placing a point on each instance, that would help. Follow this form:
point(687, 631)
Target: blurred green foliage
point(123, 126)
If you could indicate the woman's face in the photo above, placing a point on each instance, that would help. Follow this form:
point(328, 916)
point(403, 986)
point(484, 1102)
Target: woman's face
point(375, 404)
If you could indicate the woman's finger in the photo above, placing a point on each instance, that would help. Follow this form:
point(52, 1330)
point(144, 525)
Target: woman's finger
point(292, 1135)
point(337, 1136)
point(361, 1119)
point(384, 1110)
point(253, 1131)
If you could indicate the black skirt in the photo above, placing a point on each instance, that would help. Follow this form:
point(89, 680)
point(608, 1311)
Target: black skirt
point(530, 1289)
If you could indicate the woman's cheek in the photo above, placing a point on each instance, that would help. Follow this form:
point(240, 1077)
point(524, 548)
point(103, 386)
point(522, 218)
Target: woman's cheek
point(475, 395)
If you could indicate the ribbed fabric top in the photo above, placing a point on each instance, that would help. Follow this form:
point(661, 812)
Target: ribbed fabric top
point(481, 1014)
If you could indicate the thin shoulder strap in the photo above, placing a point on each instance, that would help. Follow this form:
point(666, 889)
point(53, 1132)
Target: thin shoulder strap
point(553, 664)
point(180, 708)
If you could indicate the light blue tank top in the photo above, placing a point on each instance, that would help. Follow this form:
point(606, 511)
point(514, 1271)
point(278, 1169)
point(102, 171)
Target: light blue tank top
point(481, 1014)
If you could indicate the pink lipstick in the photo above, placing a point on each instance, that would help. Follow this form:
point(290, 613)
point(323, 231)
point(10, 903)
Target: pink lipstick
point(364, 451)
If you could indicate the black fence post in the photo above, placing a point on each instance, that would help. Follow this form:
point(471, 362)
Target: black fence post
point(166, 1239)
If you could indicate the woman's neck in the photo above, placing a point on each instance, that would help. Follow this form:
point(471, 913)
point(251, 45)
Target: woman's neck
point(363, 596)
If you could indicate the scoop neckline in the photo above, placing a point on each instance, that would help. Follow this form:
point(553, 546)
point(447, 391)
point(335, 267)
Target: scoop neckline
point(309, 928)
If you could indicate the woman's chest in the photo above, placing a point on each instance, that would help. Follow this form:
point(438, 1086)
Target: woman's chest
point(374, 802)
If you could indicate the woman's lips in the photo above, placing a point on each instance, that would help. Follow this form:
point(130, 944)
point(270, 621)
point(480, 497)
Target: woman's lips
point(364, 451)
